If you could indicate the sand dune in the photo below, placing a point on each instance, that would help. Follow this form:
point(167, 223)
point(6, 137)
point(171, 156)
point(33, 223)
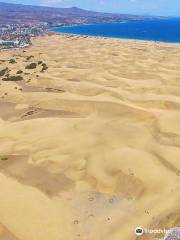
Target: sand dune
point(90, 146)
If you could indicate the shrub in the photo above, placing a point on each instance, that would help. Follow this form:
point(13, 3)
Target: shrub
point(3, 71)
point(13, 78)
point(28, 58)
point(3, 158)
point(31, 66)
point(19, 72)
point(12, 61)
point(40, 62)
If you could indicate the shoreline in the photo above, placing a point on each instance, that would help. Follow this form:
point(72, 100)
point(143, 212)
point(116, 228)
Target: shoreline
point(80, 36)
point(55, 30)
point(112, 38)
point(51, 31)
point(120, 38)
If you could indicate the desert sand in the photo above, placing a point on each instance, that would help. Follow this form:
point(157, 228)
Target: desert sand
point(90, 147)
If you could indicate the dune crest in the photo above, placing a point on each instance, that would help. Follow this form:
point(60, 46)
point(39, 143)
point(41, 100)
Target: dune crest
point(89, 144)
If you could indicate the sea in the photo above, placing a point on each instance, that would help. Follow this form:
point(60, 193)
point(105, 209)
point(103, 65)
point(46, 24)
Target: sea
point(163, 30)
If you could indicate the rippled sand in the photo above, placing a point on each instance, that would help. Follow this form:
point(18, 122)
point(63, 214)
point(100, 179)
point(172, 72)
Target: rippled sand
point(90, 148)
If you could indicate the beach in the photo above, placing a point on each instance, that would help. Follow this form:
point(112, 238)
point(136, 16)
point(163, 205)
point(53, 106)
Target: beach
point(158, 29)
point(89, 139)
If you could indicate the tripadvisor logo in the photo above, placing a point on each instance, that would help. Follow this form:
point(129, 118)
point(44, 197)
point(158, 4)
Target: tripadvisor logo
point(139, 231)
point(170, 234)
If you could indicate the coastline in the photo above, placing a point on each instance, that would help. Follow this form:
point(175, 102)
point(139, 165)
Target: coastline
point(81, 36)
point(74, 32)
point(112, 38)
point(54, 30)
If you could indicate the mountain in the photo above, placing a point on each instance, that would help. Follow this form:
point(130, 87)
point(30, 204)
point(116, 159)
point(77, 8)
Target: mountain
point(19, 13)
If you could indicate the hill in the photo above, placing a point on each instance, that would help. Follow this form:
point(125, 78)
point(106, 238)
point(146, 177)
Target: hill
point(18, 13)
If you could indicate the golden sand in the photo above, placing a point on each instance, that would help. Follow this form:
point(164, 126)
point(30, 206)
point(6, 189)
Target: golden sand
point(90, 148)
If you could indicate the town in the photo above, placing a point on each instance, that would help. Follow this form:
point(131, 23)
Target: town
point(19, 23)
point(19, 35)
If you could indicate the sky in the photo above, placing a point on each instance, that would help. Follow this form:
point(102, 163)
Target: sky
point(150, 7)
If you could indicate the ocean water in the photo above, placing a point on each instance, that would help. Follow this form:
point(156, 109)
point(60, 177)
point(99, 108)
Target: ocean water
point(164, 30)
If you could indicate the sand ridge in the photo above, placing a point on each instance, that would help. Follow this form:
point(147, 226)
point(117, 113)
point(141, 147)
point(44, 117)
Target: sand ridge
point(90, 146)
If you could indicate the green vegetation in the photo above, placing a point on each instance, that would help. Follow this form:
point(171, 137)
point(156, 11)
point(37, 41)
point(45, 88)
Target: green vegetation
point(3, 72)
point(19, 72)
point(13, 78)
point(28, 58)
point(3, 158)
point(31, 66)
point(12, 61)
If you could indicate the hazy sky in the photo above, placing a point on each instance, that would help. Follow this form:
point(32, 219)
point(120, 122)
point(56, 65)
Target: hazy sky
point(153, 7)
